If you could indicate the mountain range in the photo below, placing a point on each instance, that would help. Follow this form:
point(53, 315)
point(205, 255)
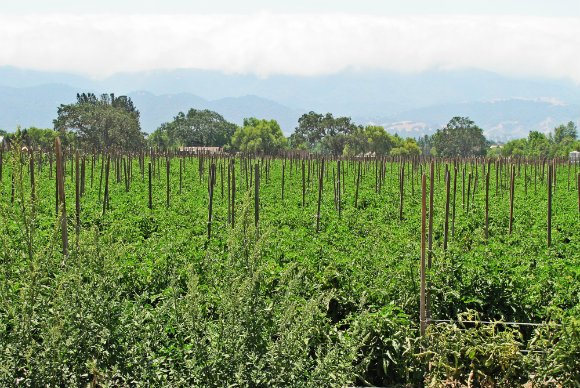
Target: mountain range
point(409, 104)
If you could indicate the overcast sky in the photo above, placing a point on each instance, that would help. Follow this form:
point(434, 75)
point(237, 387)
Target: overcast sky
point(521, 37)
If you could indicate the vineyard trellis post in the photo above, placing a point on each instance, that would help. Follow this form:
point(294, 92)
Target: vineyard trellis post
point(61, 204)
point(422, 297)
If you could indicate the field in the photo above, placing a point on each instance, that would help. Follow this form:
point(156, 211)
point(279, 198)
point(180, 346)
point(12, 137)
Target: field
point(144, 297)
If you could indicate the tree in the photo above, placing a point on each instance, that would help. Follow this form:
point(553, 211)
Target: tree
point(326, 133)
point(516, 147)
point(538, 145)
point(406, 147)
point(460, 137)
point(259, 136)
point(102, 122)
point(565, 131)
point(371, 138)
point(39, 137)
point(196, 128)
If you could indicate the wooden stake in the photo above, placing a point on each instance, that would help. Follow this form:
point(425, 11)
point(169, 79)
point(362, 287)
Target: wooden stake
point(61, 195)
point(320, 182)
point(422, 297)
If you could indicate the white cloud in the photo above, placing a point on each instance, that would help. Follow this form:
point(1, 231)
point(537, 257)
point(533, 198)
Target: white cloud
point(305, 44)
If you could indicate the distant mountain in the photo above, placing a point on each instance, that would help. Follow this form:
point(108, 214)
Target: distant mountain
point(32, 106)
point(37, 106)
point(159, 109)
point(501, 120)
point(413, 104)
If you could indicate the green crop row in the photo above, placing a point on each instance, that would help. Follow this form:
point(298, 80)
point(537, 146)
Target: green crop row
point(144, 298)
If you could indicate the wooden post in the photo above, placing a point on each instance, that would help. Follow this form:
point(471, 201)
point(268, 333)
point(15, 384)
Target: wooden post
point(512, 192)
point(229, 191)
point(210, 207)
point(422, 297)
point(77, 195)
point(447, 196)
point(401, 191)
point(320, 182)
point(431, 189)
point(167, 168)
point(32, 182)
point(487, 205)
point(257, 195)
point(234, 192)
point(283, 171)
point(150, 195)
point(468, 191)
point(101, 177)
point(303, 183)
point(357, 185)
point(106, 196)
point(221, 180)
point(61, 195)
point(549, 205)
point(454, 197)
point(338, 188)
point(83, 180)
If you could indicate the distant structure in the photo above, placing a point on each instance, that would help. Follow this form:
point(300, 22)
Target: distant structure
point(202, 150)
point(575, 156)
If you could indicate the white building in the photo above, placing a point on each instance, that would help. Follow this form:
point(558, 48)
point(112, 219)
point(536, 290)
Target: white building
point(575, 156)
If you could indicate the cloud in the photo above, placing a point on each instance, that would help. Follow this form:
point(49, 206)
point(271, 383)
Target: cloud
point(300, 44)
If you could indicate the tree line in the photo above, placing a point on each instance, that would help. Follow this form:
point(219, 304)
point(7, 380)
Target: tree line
point(108, 121)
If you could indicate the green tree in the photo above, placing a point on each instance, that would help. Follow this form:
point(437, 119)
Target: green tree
point(371, 138)
point(102, 122)
point(39, 137)
point(259, 136)
point(196, 128)
point(538, 145)
point(324, 132)
point(564, 131)
point(460, 137)
point(516, 147)
point(406, 147)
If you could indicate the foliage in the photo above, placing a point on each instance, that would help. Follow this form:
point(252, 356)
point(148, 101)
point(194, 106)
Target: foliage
point(146, 299)
point(326, 132)
point(407, 147)
point(372, 138)
point(559, 143)
point(102, 122)
point(474, 355)
point(460, 137)
point(196, 128)
point(39, 138)
point(259, 136)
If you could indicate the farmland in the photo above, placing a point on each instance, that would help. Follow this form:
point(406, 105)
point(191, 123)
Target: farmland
point(291, 283)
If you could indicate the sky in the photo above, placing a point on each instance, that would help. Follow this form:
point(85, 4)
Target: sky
point(523, 38)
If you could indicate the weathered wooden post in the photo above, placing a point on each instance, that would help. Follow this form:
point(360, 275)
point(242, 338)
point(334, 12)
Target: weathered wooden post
point(487, 205)
point(512, 193)
point(549, 226)
point(77, 196)
point(422, 296)
point(167, 169)
point(61, 195)
point(257, 195)
point(149, 185)
point(447, 197)
point(320, 183)
point(401, 191)
point(106, 196)
point(210, 206)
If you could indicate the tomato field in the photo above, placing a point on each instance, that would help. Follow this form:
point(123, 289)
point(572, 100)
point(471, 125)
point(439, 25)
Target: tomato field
point(287, 271)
